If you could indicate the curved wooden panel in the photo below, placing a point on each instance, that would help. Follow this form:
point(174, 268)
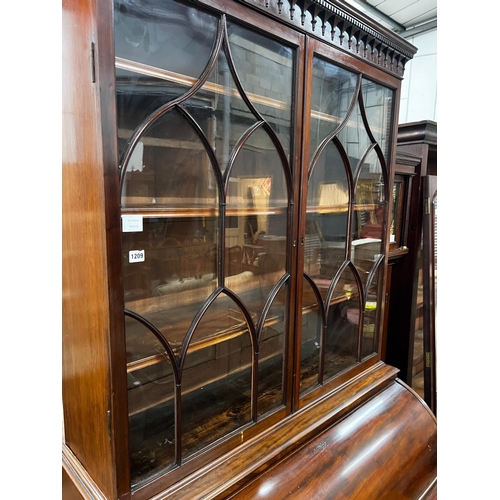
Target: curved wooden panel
point(386, 449)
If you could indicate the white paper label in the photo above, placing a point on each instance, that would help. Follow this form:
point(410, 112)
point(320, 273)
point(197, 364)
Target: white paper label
point(132, 223)
point(136, 256)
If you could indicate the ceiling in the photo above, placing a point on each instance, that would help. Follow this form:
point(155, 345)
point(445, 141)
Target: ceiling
point(405, 17)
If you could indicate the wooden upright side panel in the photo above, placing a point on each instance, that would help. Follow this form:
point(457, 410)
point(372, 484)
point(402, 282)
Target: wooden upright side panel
point(85, 307)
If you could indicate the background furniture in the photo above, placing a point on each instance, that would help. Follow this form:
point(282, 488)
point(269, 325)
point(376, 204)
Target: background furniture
point(411, 331)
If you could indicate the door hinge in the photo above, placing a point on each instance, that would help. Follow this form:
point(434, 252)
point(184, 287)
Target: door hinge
point(427, 359)
point(108, 414)
point(427, 206)
point(92, 61)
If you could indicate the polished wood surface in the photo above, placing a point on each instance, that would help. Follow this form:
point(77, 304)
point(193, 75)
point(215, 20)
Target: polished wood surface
point(77, 483)
point(241, 464)
point(96, 450)
point(69, 489)
point(386, 449)
point(416, 148)
point(85, 314)
point(403, 285)
point(94, 389)
point(418, 132)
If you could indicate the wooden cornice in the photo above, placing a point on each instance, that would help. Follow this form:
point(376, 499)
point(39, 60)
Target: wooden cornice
point(403, 158)
point(423, 131)
point(343, 26)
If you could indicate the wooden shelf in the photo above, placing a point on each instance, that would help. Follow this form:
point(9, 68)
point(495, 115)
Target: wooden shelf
point(209, 334)
point(211, 87)
point(169, 208)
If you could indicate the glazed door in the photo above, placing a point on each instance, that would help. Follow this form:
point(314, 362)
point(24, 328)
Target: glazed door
point(207, 109)
point(254, 225)
point(344, 212)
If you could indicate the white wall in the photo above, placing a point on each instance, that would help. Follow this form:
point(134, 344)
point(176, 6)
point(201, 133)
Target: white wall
point(419, 88)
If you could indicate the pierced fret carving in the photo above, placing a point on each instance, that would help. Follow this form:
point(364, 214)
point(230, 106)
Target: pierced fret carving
point(352, 31)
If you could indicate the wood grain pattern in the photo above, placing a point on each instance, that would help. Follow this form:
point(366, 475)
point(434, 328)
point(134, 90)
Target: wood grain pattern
point(77, 482)
point(416, 147)
point(225, 474)
point(69, 490)
point(94, 354)
point(85, 356)
point(384, 450)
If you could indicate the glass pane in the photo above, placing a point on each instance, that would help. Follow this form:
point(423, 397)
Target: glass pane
point(265, 69)
point(354, 137)
point(174, 241)
point(332, 94)
point(170, 168)
point(370, 213)
point(151, 442)
point(327, 215)
point(341, 349)
point(165, 34)
point(153, 65)
point(150, 402)
point(378, 109)
point(173, 281)
point(230, 117)
point(216, 393)
point(370, 318)
point(345, 215)
point(271, 356)
point(258, 209)
point(142, 344)
point(137, 96)
point(311, 338)
point(417, 380)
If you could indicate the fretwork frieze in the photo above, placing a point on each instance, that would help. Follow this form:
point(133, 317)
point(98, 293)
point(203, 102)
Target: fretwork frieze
point(334, 24)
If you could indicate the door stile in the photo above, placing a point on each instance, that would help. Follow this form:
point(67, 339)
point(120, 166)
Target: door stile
point(301, 206)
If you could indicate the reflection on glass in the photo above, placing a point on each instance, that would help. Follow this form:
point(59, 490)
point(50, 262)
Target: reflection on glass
point(137, 96)
point(151, 385)
point(341, 347)
point(230, 117)
point(311, 338)
point(166, 34)
point(370, 212)
point(271, 356)
point(327, 215)
point(396, 212)
point(153, 63)
point(179, 258)
point(265, 69)
point(220, 386)
point(257, 206)
point(354, 137)
point(370, 318)
point(345, 218)
point(378, 108)
point(332, 95)
point(205, 213)
point(169, 167)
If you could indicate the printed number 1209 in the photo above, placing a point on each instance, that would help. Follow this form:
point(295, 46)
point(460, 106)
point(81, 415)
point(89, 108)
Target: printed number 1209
point(136, 256)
